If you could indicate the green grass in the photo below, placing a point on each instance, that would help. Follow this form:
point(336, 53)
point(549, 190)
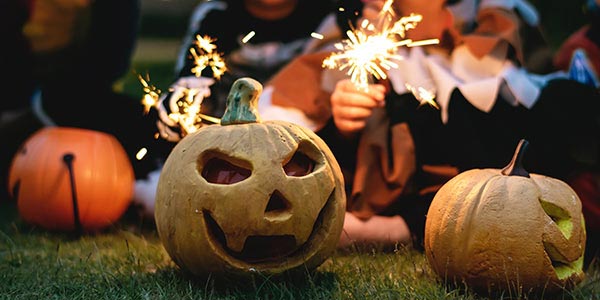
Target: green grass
point(128, 261)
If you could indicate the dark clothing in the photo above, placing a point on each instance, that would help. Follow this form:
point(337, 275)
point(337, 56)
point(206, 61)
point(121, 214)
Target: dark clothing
point(76, 84)
point(563, 130)
point(84, 80)
point(274, 44)
point(15, 61)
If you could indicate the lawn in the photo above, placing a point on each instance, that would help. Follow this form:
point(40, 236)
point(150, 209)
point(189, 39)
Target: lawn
point(128, 261)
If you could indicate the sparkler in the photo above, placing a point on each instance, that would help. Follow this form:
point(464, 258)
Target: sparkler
point(370, 49)
point(185, 103)
point(151, 93)
point(207, 57)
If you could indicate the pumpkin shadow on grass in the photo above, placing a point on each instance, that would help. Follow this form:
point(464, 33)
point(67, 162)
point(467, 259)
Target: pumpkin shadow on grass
point(511, 291)
point(289, 285)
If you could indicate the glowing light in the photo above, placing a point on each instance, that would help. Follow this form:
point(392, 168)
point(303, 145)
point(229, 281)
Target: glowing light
point(248, 36)
point(151, 93)
point(141, 153)
point(423, 43)
point(371, 49)
point(423, 95)
point(316, 35)
point(185, 103)
point(206, 56)
point(188, 116)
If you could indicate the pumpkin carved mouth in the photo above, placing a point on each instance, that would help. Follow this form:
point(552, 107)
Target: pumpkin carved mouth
point(563, 263)
point(265, 248)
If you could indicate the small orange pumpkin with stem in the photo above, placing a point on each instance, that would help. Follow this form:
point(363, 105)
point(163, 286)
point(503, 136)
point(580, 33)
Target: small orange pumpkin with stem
point(507, 230)
point(71, 179)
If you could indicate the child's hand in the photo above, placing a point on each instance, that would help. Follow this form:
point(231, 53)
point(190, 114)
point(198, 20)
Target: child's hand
point(196, 87)
point(371, 9)
point(352, 107)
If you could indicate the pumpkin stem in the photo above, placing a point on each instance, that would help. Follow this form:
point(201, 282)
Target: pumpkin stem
point(515, 167)
point(242, 102)
point(68, 159)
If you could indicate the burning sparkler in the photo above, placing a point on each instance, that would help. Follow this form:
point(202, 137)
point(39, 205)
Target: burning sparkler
point(185, 103)
point(151, 93)
point(370, 50)
point(206, 56)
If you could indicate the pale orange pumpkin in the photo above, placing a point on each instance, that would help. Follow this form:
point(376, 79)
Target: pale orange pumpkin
point(507, 230)
point(249, 196)
point(70, 179)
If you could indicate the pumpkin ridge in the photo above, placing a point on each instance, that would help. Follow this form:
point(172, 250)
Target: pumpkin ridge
point(285, 136)
point(472, 197)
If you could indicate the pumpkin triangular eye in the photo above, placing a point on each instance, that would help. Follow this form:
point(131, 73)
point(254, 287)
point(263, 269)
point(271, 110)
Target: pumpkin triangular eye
point(220, 171)
point(560, 216)
point(299, 165)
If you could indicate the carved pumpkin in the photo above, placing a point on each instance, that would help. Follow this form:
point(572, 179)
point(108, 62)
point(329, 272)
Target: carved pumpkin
point(71, 179)
point(248, 196)
point(506, 230)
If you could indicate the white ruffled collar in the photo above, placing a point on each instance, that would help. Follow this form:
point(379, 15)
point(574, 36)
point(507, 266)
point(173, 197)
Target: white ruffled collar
point(479, 80)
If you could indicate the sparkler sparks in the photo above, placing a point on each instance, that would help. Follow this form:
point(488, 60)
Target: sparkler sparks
point(206, 56)
point(370, 50)
point(151, 93)
point(186, 111)
point(423, 95)
point(185, 102)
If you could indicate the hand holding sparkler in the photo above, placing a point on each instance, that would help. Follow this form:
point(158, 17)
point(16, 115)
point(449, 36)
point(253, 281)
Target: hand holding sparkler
point(351, 106)
point(179, 111)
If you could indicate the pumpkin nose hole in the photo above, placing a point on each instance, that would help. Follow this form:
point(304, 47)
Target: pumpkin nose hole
point(219, 171)
point(277, 204)
point(299, 165)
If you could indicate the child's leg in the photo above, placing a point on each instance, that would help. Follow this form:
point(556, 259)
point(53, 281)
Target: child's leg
point(377, 229)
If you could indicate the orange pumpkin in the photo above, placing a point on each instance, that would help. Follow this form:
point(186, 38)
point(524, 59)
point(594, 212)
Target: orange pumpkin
point(249, 196)
point(71, 179)
point(507, 230)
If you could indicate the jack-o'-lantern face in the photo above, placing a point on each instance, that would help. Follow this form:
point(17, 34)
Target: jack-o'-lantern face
point(265, 196)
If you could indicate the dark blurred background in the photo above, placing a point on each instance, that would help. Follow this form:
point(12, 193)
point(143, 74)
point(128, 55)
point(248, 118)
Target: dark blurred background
point(168, 18)
point(164, 23)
